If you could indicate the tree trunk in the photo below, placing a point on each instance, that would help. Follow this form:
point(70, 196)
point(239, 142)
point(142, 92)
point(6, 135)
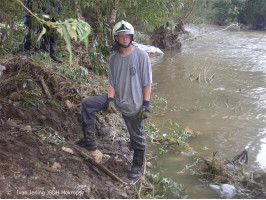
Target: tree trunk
point(183, 21)
point(113, 13)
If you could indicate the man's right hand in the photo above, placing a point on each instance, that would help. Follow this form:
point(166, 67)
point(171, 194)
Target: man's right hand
point(111, 106)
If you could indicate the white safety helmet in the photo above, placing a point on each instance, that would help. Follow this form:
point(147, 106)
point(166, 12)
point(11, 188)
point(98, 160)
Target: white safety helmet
point(123, 27)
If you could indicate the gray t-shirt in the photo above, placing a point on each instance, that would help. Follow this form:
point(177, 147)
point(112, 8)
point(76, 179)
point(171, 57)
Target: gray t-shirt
point(128, 75)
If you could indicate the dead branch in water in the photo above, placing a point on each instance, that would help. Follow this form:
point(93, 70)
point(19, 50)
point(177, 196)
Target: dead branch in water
point(242, 157)
point(192, 38)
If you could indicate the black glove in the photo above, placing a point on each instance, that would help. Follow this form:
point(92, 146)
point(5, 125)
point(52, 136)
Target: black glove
point(144, 110)
point(111, 106)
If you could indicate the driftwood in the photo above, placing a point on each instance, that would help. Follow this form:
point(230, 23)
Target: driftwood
point(242, 157)
point(99, 166)
point(45, 87)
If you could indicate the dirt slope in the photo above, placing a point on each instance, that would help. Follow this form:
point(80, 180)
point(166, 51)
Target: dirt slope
point(34, 128)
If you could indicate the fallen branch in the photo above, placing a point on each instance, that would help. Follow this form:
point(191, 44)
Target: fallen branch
point(46, 90)
point(208, 33)
point(99, 166)
point(139, 191)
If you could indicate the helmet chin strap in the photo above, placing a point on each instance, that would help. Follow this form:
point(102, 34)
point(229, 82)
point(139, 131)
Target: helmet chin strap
point(124, 46)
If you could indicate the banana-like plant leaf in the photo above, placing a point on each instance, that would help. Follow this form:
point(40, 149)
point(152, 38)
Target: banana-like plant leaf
point(87, 29)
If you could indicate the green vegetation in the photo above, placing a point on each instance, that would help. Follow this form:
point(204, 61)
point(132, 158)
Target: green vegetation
point(163, 186)
point(84, 17)
point(91, 22)
point(172, 137)
point(224, 12)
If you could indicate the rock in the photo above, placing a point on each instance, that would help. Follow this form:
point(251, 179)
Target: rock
point(56, 165)
point(228, 191)
point(11, 123)
point(123, 195)
point(26, 128)
point(119, 161)
point(231, 167)
point(28, 173)
point(42, 119)
point(225, 190)
point(68, 150)
point(69, 105)
point(149, 164)
point(17, 121)
point(14, 96)
point(216, 188)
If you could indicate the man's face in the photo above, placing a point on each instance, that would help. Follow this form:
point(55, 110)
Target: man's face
point(123, 39)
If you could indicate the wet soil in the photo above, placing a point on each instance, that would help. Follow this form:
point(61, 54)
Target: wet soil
point(35, 126)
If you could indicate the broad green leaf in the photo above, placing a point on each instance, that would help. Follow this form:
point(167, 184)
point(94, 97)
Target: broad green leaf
point(87, 31)
point(87, 27)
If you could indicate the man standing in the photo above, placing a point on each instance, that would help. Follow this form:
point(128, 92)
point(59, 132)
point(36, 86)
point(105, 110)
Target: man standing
point(48, 44)
point(129, 90)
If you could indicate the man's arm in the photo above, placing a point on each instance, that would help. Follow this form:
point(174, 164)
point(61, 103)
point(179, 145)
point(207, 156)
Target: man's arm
point(147, 93)
point(111, 91)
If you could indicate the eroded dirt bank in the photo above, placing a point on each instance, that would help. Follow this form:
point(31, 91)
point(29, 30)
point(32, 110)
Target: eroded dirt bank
point(35, 126)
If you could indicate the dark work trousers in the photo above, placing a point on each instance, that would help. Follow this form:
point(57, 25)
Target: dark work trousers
point(135, 126)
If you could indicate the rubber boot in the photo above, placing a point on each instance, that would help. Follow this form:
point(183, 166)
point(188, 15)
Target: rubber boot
point(136, 169)
point(89, 141)
point(52, 50)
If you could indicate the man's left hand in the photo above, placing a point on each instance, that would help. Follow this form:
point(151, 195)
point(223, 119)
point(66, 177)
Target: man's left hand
point(111, 106)
point(144, 111)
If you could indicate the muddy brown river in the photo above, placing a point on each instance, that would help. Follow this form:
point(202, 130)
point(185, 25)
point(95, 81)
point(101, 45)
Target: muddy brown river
point(215, 85)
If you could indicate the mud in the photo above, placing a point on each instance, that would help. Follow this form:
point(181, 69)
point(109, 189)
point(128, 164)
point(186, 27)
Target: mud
point(33, 129)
